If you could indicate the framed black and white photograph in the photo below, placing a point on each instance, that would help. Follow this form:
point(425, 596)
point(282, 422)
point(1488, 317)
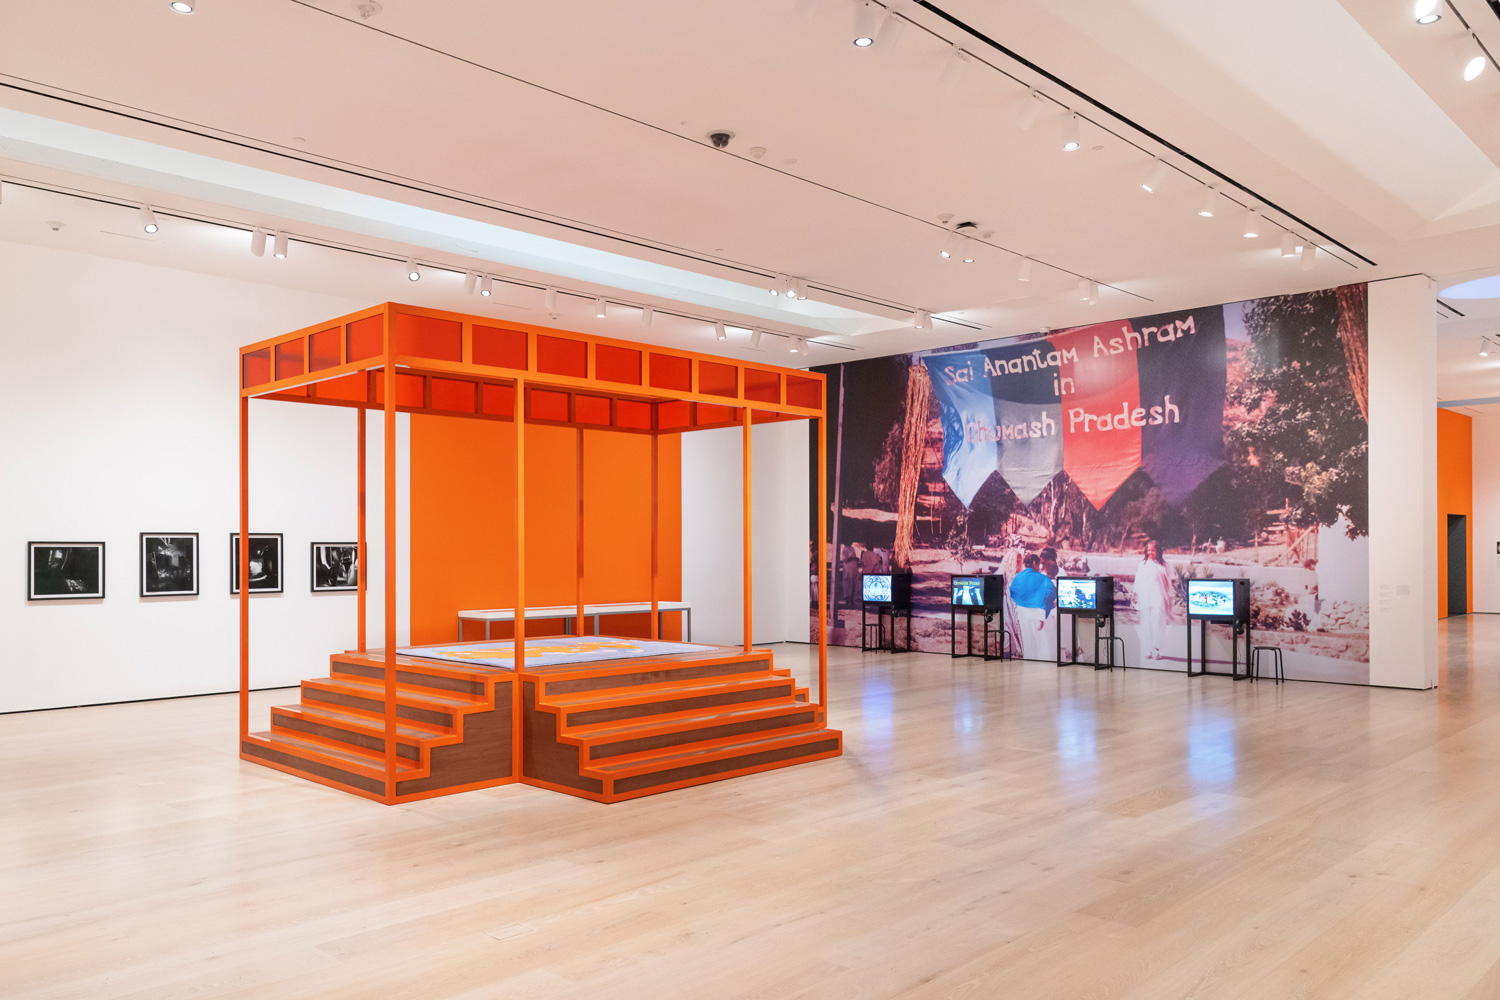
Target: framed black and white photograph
point(64, 571)
point(169, 564)
point(265, 564)
point(335, 566)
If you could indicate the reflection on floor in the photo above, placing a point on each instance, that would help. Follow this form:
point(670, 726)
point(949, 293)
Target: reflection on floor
point(993, 830)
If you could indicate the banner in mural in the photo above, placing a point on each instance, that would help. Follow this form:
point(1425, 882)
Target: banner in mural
point(1227, 441)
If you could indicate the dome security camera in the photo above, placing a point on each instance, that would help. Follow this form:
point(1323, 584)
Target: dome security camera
point(720, 137)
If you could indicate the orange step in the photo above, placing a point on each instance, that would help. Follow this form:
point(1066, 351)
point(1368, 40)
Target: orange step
point(615, 742)
point(678, 768)
point(352, 759)
point(656, 700)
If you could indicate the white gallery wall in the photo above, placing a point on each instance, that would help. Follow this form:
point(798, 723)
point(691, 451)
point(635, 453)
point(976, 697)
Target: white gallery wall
point(118, 415)
point(1485, 530)
point(1403, 483)
point(712, 553)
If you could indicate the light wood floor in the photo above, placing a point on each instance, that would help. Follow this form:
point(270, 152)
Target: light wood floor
point(995, 830)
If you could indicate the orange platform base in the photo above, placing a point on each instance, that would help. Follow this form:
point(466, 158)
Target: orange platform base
point(606, 731)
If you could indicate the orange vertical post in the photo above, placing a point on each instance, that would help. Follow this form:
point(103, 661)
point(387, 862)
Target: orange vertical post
point(655, 560)
point(578, 611)
point(244, 566)
point(388, 379)
point(745, 475)
point(518, 646)
point(821, 556)
point(360, 545)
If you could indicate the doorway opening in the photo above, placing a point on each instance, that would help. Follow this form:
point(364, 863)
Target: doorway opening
point(1458, 564)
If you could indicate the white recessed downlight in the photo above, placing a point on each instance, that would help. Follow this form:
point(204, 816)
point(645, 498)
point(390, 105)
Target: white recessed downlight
point(183, 6)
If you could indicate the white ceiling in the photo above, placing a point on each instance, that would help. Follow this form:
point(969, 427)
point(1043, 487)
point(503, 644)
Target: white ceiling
point(564, 143)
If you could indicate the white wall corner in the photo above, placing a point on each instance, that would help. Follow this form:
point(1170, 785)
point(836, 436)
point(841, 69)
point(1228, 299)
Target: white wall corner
point(1403, 483)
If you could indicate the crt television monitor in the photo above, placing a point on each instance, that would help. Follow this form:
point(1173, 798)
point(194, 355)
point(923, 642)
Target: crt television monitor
point(1077, 594)
point(877, 588)
point(1219, 600)
point(968, 591)
point(1087, 594)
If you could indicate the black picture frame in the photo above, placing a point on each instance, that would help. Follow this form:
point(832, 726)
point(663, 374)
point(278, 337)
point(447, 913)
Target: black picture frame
point(169, 563)
point(334, 567)
point(270, 557)
point(64, 571)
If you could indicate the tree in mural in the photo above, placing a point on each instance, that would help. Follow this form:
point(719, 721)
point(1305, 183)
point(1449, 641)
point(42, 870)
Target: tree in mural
point(1307, 445)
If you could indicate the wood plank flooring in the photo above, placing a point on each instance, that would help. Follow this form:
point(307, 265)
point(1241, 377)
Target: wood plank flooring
point(993, 830)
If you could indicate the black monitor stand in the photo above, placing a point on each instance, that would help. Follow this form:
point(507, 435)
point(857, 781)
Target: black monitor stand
point(1238, 628)
point(1099, 633)
point(881, 610)
point(987, 629)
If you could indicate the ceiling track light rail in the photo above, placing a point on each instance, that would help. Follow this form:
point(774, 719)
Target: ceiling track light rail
point(1254, 196)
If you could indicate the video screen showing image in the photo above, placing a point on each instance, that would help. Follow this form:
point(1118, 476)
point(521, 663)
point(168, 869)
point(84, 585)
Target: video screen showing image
point(877, 588)
point(1211, 598)
point(968, 591)
point(1077, 595)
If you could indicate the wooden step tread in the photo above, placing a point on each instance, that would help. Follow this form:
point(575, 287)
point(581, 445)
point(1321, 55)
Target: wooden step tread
point(373, 687)
point(670, 690)
point(608, 732)
point(372, 764)
point(677, 756)
point(424, 665)
point(364, 722)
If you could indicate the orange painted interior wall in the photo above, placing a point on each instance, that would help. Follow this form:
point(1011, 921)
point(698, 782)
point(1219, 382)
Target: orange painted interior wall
point(1455, 493)
point(463, 523)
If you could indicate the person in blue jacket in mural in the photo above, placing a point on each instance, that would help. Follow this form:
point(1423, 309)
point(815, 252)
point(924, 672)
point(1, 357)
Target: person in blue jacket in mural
point(1034, 595)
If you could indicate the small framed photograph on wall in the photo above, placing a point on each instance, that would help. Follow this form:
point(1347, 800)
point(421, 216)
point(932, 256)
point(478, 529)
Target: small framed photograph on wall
point(335, 566)
point(265, 564)
point(64, 571)
point(169, 564)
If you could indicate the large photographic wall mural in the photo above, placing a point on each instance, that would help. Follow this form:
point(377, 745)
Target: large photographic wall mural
point(1227, 441)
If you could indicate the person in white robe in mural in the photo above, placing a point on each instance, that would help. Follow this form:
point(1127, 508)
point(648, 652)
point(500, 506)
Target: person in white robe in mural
point(1035, 597)
point(1153, 600)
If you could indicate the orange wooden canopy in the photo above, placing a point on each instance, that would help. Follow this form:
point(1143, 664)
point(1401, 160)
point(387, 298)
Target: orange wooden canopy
point(401, 358)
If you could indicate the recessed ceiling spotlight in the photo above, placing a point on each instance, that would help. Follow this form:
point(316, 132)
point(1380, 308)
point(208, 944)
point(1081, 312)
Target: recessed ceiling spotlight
point(1428, 11)
point(413, 272)
point(1070, 133)
point(148, 219)
point(1210, 200)
point(1157, 177)
point(1030, 110)
point(1471, 57)
point(183, 6)
point(258, 242)
point(1252, 223)
point(864, 24)
point(279, 248)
